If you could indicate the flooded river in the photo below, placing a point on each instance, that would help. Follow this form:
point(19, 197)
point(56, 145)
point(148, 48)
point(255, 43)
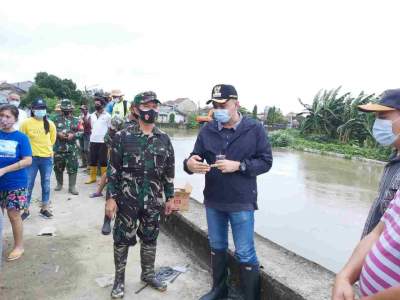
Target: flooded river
point(313, 205)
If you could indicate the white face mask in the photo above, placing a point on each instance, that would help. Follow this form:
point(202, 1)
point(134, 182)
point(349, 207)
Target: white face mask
point(383, 132)
point(15, 103)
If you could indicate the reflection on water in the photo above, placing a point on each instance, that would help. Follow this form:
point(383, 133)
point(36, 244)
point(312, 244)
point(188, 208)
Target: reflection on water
point(313, 205)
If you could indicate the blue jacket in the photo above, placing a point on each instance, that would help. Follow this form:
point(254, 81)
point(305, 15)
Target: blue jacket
point(249, 143)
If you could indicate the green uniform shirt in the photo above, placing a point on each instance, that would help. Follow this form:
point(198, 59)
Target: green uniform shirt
point(141, 167)
point(67, 125)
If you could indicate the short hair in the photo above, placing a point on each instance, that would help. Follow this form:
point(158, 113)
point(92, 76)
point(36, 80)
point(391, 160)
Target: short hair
point(11, 108)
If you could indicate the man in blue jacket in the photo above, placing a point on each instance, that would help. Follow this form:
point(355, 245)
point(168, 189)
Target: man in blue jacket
point(231, 151)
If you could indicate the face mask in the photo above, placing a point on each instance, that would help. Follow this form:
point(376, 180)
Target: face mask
point(222, 115)
point(6, 124)
point(66, 112)
point(148, 116)
point(40, 113)
point(15, 103)
point(382, 132)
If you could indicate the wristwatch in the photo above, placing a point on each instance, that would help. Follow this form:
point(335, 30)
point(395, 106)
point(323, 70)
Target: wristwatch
point(242, 166)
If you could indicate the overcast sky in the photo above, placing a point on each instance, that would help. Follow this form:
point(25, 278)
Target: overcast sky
point(272, 51)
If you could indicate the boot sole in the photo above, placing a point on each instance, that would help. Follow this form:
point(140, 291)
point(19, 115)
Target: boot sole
point(157, 289)
point(105, 232)
point(119, 296)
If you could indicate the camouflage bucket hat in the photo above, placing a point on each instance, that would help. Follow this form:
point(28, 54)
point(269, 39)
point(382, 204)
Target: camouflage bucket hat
point(66, 104)
point(145, 97)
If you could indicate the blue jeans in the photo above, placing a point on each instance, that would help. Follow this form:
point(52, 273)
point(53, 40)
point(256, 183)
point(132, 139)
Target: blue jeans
point(44, 165)
point(242, 224)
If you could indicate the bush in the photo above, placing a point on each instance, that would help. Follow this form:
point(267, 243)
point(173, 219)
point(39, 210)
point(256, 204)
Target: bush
point(281, 138)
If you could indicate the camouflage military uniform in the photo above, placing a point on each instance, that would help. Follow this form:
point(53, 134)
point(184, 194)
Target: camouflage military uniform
point(65, 151)
point(140, 176)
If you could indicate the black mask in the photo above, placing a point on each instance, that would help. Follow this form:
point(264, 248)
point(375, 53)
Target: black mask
point(148, 116)
point(98, 107)
point(66, 112)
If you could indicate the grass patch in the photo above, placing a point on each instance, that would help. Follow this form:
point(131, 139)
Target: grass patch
point(292, 139)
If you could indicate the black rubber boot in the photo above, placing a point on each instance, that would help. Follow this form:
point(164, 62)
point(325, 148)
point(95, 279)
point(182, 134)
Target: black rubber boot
point(147, 259)
point(72, 184)
point(60, 179)
point(219, 263)
point(106, 230)
point(250, 279)
point(120, 258)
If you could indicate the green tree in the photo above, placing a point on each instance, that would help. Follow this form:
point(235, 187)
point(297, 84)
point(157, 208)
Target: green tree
point(244, 111)
point(255, 112)
point(191, 121)
point(336, 116)
point(275, 116)
point(51, 86)
point(171, 118)
point(36, 92)
point(62, 88)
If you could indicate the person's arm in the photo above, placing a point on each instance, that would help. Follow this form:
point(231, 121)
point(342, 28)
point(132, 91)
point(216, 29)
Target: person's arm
point(25, 151)
point(114, 168)
point(77, 130)
point(23, 163)
point(194, 164)
point(53, 132)
point(169, 173)
point(392, 293)
point(342, 289)
point(261, 162)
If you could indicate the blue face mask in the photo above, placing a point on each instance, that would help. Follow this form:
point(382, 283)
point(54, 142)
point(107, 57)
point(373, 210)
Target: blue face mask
point(383, 132)
point(40, 113)
point(222, 115)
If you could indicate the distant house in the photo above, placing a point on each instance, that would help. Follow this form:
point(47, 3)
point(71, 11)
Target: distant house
point(292, 120)
point(165, 113)
point(20, 88)
point(180, 107)
point(23, 85)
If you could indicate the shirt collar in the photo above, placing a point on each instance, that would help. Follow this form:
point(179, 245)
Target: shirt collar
point(220, 126)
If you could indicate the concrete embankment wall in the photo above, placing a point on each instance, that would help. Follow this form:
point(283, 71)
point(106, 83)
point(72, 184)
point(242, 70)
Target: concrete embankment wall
point(285, 275)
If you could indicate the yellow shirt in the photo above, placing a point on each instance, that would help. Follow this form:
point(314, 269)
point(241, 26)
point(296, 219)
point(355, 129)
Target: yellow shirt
point(41, 143)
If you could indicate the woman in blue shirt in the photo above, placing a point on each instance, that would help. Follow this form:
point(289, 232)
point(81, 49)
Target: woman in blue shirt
point(15, 156)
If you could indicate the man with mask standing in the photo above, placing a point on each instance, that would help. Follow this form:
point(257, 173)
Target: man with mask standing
point(120, 106)
point(386, 131)
point(140, 176)
point(66, 149)
point(15, 99)
point(100, 122)
point(236, 151)
point(85, 139)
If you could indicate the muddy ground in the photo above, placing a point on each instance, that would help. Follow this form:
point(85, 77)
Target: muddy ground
point(66, 266)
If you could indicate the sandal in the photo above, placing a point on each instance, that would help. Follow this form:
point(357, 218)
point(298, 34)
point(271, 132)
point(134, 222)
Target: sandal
point(15, 254)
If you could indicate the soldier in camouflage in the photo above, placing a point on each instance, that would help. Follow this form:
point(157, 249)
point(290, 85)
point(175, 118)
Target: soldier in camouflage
point(117, 124)
point(140, 176)
point(65, 149)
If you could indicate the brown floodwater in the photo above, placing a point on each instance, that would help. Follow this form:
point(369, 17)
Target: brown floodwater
point(313, 205)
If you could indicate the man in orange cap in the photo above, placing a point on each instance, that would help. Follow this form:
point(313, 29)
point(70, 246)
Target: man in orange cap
point(386, 131)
